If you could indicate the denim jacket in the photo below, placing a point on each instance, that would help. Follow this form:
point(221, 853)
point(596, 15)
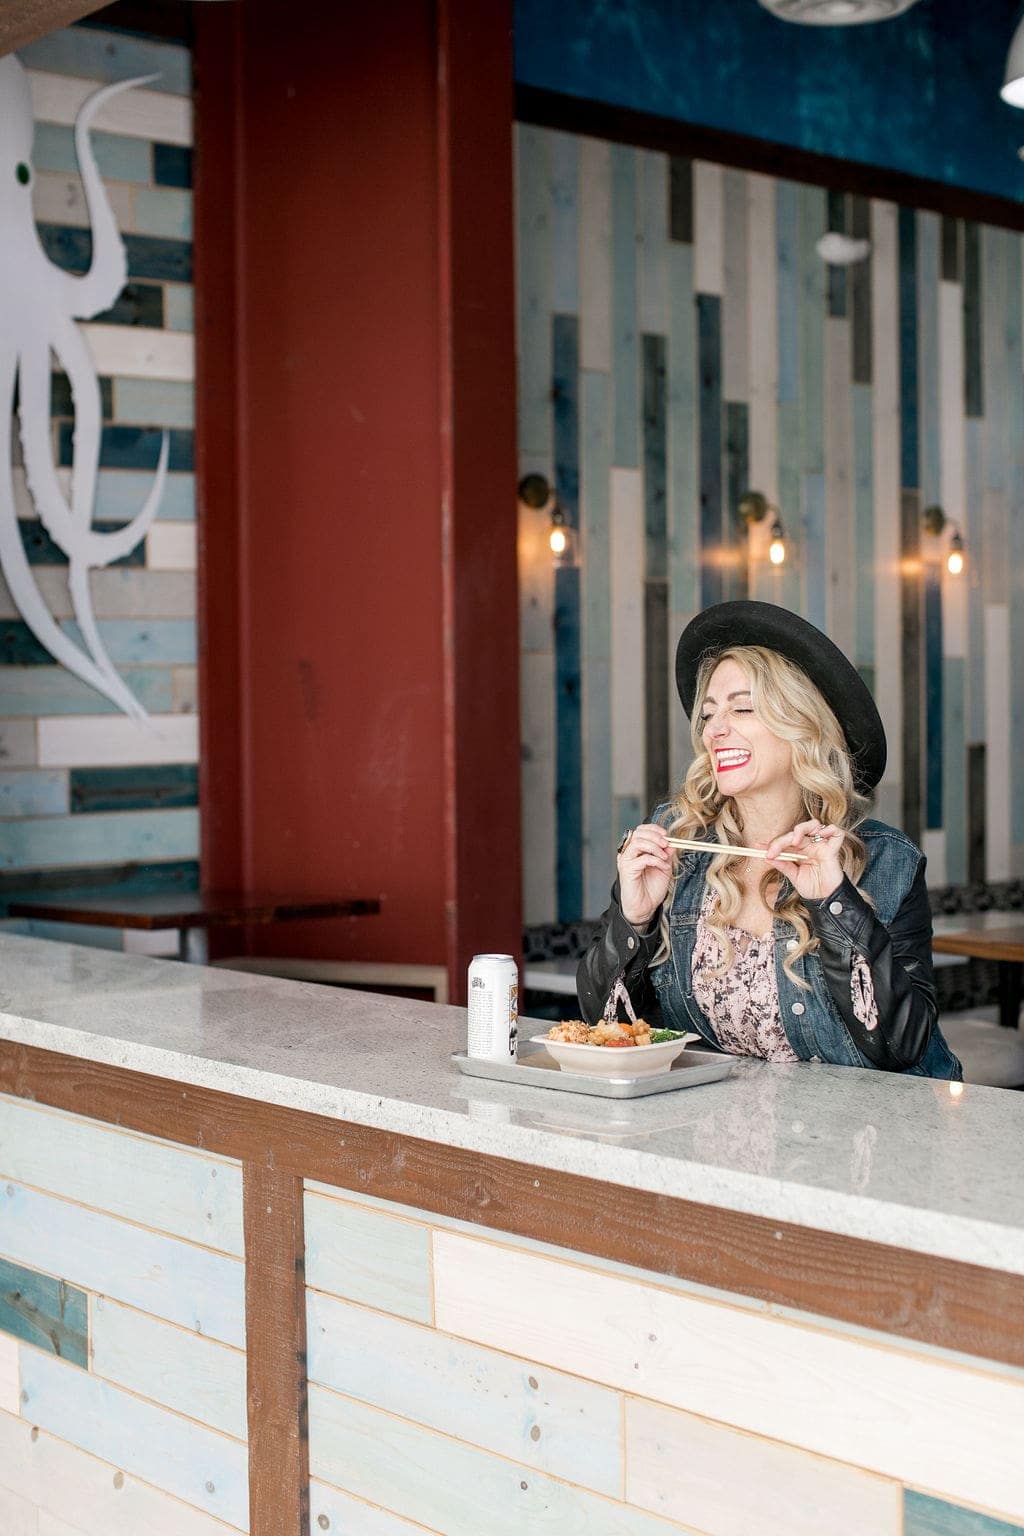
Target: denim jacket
point(893, 935)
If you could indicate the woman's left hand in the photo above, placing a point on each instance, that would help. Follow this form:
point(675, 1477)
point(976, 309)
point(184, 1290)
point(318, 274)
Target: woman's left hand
point(820, 845)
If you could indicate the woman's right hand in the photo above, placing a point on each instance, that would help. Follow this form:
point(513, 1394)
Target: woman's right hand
point(645, 873)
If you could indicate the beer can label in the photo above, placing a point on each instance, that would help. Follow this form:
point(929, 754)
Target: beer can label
point(493, 1008)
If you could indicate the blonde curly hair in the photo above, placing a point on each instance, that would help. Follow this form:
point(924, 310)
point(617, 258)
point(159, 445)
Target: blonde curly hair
point(795, 710)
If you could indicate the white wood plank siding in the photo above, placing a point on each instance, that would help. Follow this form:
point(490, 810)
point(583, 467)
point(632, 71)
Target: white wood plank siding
point(939, 1427)
point(366, 1256)
point(174, 1367)
point(595, 255)
point(92, 741)
point(95, 1497)
point(885, 453)
point(138, 113)
point(9, 1385)
point(136, 352)
point(186, 1194)
point(205, 1469)
point(17, 1516)
point(353, 1517)
point(762, 345)
point(727, 1483)
point(171, 547)
point(997, 753)
point(453, 1487)
point(953, 460)
point(543, 1418)
point(194, 1287)
point(708, 228)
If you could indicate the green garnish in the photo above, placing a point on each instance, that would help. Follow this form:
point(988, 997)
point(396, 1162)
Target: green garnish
point(660, 1035)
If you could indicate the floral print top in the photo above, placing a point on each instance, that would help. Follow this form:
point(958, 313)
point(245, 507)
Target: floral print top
point(742, 1003)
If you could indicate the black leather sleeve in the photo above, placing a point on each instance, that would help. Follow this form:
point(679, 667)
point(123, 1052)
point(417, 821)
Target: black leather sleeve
point(900, 958)
point(618, 950)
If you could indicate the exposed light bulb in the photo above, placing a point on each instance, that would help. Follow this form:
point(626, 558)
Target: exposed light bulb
point(955, 562)
point(777, 547)
point(558, 541)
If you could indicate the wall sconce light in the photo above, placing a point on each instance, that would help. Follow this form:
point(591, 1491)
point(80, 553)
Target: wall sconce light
point(535, 492)
point(754, 507)
point(1012, 90)
point(934, 520)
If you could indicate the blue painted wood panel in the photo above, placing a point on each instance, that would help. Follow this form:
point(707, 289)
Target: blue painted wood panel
point(34, 792)
point(133, 447)
point(709, 363)
point(737, 481)
point(565, 390)
point(51, 690)
point(924, 1516)
point(595, 514)
point(929, 420)
point(137, 304)
point(910, 473)
point(47, 1313)
point(56, 841)
point(368, 1256)
point(177, 1281)
point(166, 786)
point(121, 492)
point(107, 55)
point(100, 880)
point(164, 211)
point(172, 165)
point(150, 642)
point(152, 256)
point(954, 769)
point(543, 1418)
point(41, 550)
point(119, 158)
point(205, 1469)
point(625, 363)
point(568, 745)
point(933, 695)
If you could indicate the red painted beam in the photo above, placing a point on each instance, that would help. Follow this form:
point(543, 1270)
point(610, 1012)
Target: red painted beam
point(356, 465)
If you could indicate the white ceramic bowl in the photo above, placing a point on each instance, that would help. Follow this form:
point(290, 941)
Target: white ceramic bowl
point(613, 1060)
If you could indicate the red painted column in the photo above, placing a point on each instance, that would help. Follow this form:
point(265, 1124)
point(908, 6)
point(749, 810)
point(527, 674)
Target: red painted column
point(356, 467)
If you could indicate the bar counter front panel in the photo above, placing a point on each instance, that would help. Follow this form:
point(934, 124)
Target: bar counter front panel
point(225, 1310)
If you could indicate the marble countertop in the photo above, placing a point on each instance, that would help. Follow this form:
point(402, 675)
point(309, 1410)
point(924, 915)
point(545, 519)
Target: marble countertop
point(893, 1159)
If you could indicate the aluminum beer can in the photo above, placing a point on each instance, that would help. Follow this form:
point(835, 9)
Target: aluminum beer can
point(493, 1008)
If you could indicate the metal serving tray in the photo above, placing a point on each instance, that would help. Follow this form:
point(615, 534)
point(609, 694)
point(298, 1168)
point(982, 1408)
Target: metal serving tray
point(536, 1069)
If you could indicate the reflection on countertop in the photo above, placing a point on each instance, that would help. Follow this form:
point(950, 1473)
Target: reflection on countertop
point(904, 1160)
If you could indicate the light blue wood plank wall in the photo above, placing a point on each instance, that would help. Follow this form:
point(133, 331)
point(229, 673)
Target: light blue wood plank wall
point(651, 292)
point(122, 1290)
point(148, 620)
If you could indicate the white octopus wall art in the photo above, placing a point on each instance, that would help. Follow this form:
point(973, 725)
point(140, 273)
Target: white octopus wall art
point(40, 305)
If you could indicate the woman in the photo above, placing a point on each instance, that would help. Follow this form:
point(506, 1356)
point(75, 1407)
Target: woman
point(827, 959)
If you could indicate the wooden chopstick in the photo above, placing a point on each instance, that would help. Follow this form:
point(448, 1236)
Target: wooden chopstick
point(695, 846)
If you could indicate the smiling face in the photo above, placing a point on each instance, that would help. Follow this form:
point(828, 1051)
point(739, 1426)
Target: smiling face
point(746, 756)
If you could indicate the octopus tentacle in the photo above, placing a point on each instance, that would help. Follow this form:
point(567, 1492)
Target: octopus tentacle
point(22, 586)
point(97, 289)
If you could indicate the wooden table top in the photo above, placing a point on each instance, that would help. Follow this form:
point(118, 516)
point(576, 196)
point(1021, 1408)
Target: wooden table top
point(981, 936)
point(192, 909)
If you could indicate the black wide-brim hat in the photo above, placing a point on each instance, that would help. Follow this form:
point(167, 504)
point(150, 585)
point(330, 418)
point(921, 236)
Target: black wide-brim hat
point(751, 623)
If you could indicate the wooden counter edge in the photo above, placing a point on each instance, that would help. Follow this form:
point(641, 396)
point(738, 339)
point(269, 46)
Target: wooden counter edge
point(909, 1295)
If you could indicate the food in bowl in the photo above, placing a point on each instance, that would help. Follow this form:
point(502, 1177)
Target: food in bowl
point(610, 1032)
